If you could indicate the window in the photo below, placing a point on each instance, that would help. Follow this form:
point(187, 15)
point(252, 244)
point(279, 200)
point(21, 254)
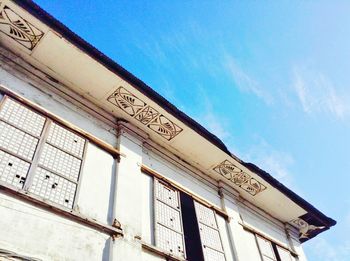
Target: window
point(168, 221)
point(39, 156)
point(209, 233)
point(184, 227)
point(272, 252)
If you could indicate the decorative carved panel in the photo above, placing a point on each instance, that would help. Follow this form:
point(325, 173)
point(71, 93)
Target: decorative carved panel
point(18, 28)
point(239, 177)
point(144, 113)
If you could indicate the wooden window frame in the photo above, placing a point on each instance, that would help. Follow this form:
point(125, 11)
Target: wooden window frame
point(34, 162)
point(256, 232)
point(274, 246)
point(31, 198)
point(196, 199)
point(156, 222)
point(216, 229)
point(38, 109)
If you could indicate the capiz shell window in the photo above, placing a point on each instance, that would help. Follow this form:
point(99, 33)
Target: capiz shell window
point(209, 233)
point(38, 155)
point(168, 224)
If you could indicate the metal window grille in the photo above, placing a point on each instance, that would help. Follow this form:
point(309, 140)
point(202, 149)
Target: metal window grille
point(209, 233)
point(168, 223)
point(39, 155)
point(266, 249)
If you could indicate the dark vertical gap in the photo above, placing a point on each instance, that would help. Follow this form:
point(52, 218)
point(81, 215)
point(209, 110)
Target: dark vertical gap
point(194, 251)
point(276, 252)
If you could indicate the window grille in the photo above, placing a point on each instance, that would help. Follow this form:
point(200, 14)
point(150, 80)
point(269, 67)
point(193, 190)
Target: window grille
point(38, 155)
point(168, 223)
point(209, 233)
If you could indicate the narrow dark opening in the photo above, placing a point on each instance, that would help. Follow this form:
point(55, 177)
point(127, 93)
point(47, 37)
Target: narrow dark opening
point(276, 252)
point(194, 251)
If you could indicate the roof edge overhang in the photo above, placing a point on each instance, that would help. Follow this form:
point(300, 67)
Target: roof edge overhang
point(314, 216)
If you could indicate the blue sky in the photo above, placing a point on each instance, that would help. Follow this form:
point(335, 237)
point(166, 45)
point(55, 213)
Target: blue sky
point(270, 78)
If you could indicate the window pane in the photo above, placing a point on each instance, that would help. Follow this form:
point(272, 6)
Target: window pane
point(169, 235)
point(166, 194)
point(209, 233)
point(60, 162)
point(266, 249)
point(22, 117)
point(17, 141)
point(66, 140)
point(169, 240)
point(168, 217)
point(213, 255)
point(284, 254)
point(210, 237)
point(13, 170)
point(205, 215)
point(53, 187)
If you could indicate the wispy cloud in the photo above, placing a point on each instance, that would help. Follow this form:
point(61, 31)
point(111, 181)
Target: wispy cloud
point(323, 250)
point(209, 119)
point(275, 162)
point(244, 81)
point(317, 94)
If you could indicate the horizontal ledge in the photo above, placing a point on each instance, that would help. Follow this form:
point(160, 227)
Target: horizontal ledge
point(110, 149)
point(159, 176)
point(70, 214)
point(254, 231)
point(160, 252)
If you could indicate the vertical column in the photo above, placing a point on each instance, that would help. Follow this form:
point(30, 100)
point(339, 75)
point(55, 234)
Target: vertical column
point(244, 246)
point(127, 205)
point(293, 241)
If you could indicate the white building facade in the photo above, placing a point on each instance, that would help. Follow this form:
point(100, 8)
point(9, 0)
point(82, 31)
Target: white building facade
point(94, 165)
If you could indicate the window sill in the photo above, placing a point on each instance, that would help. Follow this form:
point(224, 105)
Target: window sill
point(160, 252)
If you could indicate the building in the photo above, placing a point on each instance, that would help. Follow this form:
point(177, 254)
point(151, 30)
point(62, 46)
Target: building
point(95, 165)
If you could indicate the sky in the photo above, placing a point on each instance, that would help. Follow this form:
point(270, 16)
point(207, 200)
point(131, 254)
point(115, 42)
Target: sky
point(270, 78)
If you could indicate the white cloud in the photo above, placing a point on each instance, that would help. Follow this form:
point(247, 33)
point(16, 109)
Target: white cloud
point(243, 81)
point(322, 250)
point(317, 94)
point(210, 120)
point(275, 162)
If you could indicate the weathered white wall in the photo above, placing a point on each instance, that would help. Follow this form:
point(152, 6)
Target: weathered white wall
point(29, 230)
point(32, 231)
point(96, 195)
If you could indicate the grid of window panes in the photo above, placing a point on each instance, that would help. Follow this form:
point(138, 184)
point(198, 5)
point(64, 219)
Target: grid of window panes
point(168, 223)
point(209, 233)
point(50, 170)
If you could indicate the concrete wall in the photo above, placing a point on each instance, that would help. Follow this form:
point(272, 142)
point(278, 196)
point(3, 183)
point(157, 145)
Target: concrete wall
point(112, 190)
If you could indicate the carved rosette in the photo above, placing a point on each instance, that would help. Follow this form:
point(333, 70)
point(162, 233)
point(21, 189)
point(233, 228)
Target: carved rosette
point(239, 177)
point(144, 113)
point(18, 28)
